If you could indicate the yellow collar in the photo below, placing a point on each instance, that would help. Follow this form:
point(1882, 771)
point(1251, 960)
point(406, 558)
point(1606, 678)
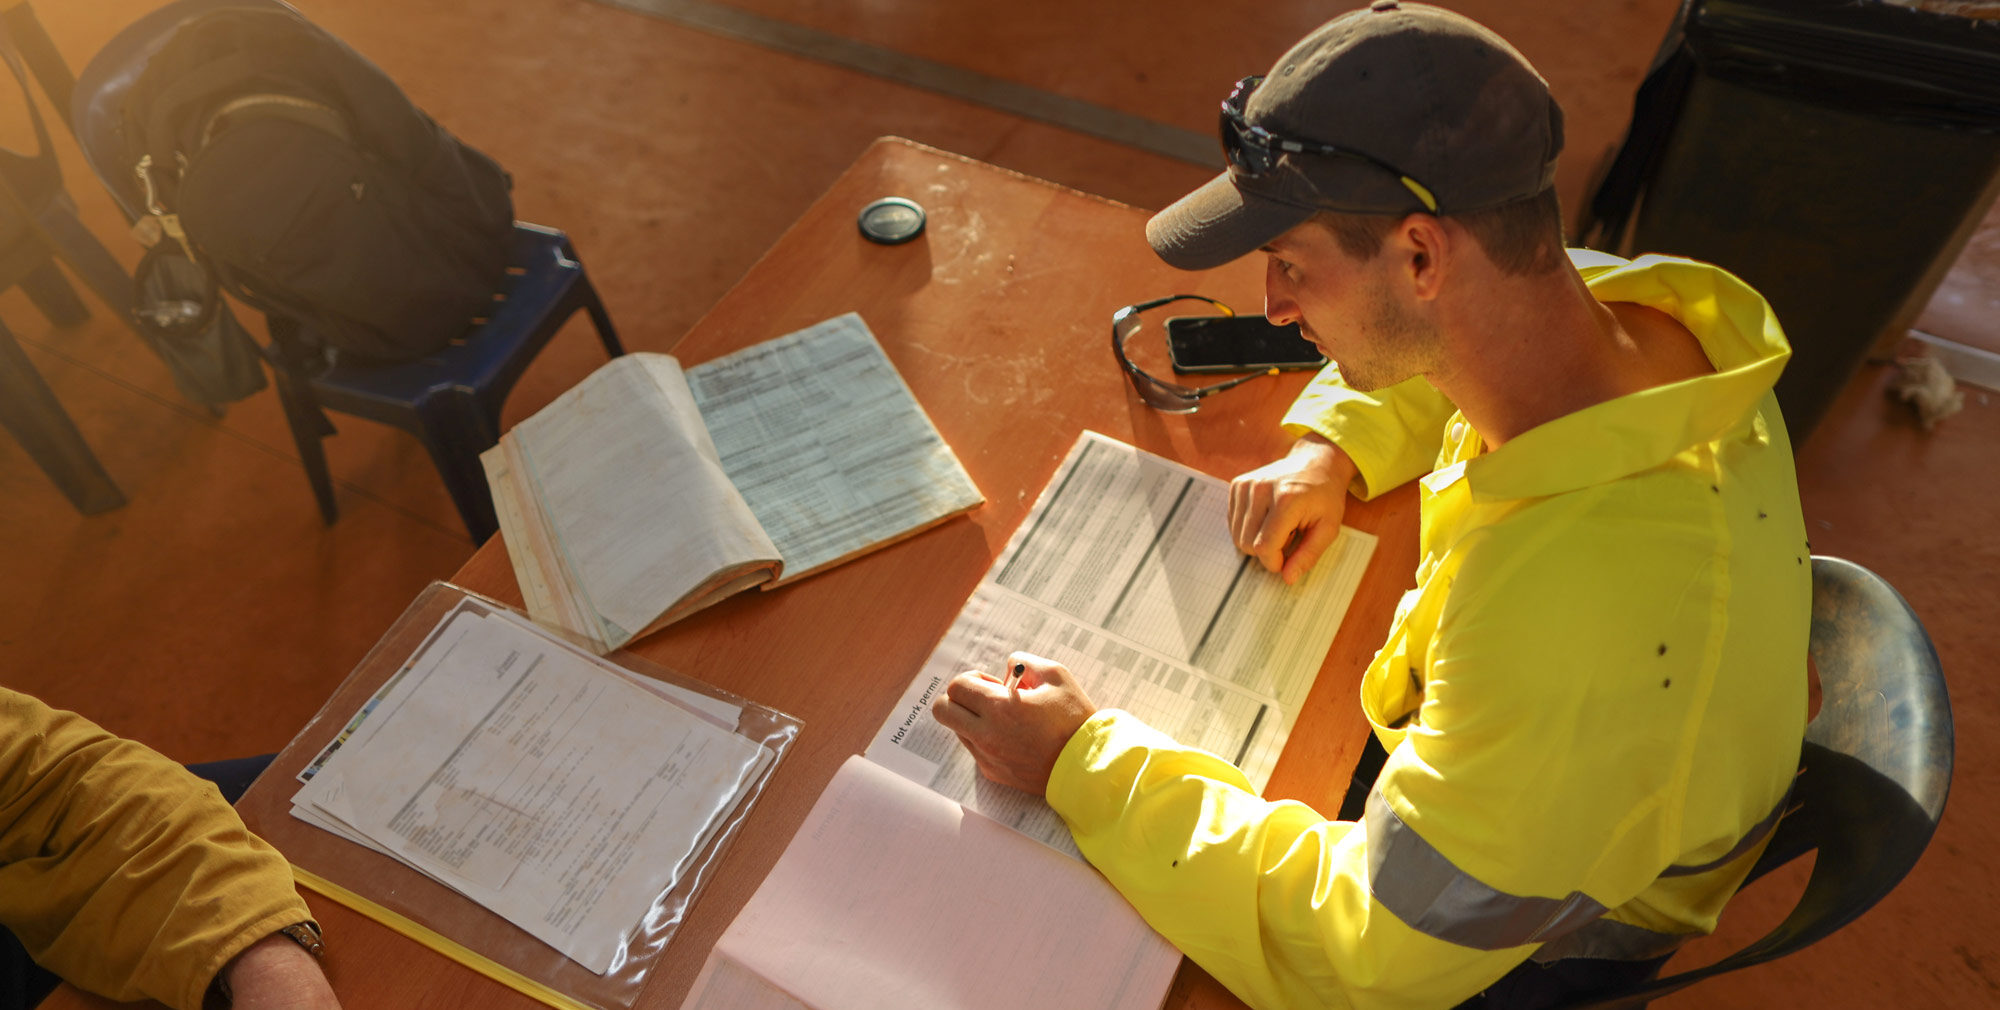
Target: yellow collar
point(1640, 431)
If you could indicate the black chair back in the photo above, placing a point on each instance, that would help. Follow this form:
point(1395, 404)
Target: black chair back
point(1873, 773)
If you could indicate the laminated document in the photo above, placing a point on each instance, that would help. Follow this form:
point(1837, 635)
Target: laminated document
point(544, 783)
point(538, 813)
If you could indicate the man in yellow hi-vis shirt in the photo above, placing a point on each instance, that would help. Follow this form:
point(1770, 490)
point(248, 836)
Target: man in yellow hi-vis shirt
point(1593, 699)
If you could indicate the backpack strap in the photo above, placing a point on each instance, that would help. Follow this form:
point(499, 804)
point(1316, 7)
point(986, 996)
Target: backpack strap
point(267, 105)
point(199, 86)
point(161, 158)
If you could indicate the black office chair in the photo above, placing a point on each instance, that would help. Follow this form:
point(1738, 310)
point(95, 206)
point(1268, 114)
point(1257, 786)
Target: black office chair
point(450, 399)
point(1873, 774)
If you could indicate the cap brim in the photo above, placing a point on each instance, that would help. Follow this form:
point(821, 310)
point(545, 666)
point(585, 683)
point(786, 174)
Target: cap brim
point(1218, 223)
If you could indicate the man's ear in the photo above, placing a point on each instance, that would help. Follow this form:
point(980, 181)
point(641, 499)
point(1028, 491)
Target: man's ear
point(1426, 246)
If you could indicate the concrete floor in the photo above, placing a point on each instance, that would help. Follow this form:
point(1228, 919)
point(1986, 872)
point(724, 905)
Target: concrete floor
point(211, 615)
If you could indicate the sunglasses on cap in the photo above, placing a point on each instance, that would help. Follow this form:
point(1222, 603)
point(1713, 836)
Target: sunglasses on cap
point(1253, 150)
point(1159, 394)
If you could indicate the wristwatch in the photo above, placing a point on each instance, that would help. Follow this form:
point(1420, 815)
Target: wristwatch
point(306, 934)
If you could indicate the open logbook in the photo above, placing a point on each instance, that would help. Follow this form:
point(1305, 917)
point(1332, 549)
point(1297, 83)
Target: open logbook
point(646, 492)
point(916, 883)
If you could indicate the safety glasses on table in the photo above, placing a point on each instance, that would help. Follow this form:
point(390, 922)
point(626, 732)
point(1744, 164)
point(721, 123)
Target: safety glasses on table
point(1253, 150)
point(1159, 394)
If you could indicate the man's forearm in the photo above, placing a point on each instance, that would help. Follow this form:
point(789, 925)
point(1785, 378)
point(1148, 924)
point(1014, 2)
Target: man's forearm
point(274, 973)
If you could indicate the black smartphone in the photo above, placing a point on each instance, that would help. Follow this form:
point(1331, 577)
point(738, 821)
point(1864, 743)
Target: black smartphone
point(1199, 344)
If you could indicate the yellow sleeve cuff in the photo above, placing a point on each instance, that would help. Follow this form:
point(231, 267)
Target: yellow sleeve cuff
point(1393, 435)
point(1070, 792)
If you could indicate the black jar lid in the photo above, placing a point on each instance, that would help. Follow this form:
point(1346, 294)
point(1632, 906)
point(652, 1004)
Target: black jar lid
point(892, 220)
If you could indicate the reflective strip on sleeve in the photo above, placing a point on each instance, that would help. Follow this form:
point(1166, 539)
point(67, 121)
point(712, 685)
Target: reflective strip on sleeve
point(1610, 940)
point(1417, 884)
point(1431, 895)
point(1752, 837)
point(1618, 941)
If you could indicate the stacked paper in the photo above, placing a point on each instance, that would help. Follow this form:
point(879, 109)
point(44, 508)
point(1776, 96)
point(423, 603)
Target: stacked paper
point(554, 788)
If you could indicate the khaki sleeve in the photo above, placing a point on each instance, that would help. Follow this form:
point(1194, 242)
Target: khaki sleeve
point(120, 870)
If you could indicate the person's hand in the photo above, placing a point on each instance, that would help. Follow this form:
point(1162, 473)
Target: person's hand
point(1287, 513)
point(277, 974)
point(1015, 733)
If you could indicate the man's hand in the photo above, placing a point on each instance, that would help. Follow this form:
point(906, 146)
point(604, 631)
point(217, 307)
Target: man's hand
point(1015, 731)
point(277, 974)
point(1287, 513)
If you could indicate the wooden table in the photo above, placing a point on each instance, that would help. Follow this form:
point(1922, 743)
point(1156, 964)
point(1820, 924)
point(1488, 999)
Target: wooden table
point(999, 318)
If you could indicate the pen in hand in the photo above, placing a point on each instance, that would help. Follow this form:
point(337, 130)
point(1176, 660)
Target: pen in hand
point(1014, 675)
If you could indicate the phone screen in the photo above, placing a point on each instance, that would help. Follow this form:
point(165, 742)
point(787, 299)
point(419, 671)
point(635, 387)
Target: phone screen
point(1237, 344)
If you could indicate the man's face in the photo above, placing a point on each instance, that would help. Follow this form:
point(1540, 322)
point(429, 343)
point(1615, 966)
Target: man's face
point(1353, 310)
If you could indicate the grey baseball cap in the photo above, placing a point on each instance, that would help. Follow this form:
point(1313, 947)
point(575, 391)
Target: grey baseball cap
point(1394, 108)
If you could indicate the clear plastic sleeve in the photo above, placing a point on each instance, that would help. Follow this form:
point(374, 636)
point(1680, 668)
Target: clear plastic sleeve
point(431, 912)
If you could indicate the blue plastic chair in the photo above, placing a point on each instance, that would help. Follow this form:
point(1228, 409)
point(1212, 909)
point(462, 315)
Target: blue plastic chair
point(38, 221)
point(450, 399)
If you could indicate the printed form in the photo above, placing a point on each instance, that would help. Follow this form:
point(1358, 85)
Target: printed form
point(1124, 572)
point(597, 469)
point(520, 772)
point(827, 444)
